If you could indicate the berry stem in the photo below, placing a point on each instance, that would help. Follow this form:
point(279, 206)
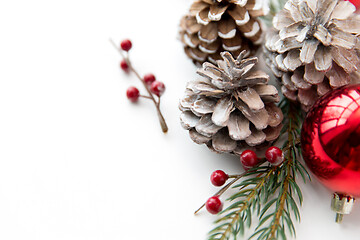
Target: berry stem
point(226, 187)
point(144, 96)
point(233, 176)
point(151, 97)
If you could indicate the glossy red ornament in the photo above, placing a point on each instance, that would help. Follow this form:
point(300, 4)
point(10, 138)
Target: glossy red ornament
point(330, 140)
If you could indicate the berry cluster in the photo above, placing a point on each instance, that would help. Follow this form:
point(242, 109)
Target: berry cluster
point(151, 84)
point(273, 155)
point(153, 87)
point(248, 159)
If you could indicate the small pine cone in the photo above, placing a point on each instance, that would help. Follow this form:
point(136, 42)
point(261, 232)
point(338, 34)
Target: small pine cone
point(214, 26)
point(314, 48)
point(231, 108)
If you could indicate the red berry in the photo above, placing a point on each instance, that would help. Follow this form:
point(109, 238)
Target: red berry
point(274, 155)
point(133, 94)
point(248, 159)
point(218, 178)
point(214, 205)
point(126, 45)
point(124, 66)
point(149, 78)
point(157, 88)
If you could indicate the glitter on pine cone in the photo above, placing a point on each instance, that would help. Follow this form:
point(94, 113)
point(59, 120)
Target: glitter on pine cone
point(314, 48)
point(231, 108)
point(330, 140)
point(212, 27)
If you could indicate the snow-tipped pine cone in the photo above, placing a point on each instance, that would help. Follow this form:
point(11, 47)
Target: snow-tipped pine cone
point(314, 48)
point(231, 108)
point(214, 26)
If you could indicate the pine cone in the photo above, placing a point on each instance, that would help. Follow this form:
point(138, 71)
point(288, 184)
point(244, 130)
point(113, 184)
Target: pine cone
point(314, 48)
point(214, 26)
point(232, 107)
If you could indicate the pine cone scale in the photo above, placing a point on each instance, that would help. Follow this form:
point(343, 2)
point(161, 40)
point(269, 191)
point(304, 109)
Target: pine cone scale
point(325, 10)
point(259, 119)
point(291, 61)
point(202, 17)
point(308, 51)
point(216, 12)
point(240, 15)
point(227, 29)
point(342, 58)
point(197, 7)
point(198, 138)
point(323, 59)
point(222, 111)
point(312, 76)
point(252, 99)
point(209, 33)
point(239, 127)
point(256, 138)
point(343, 10)
point(223, 143)
point(275, 115)
point(188, 120)
point(206, 127)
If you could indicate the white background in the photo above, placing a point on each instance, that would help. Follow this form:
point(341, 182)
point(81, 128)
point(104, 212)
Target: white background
point(77, 160)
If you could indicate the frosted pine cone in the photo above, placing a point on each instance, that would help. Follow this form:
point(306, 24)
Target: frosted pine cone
point(231, 108)
point(314, 48)
point(213, 26)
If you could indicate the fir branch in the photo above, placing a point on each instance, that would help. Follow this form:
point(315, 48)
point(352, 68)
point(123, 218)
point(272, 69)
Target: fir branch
point(286, 207)
point(268, 191)
point(239, 213)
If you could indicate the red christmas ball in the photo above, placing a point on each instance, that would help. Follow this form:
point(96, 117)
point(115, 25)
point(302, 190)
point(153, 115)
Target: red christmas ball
point(330, 140)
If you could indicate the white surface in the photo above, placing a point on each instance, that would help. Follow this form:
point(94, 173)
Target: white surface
point(77, 160)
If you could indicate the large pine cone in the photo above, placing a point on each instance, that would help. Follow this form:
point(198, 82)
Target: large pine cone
point(314, 48)
point(231, 108)
point(214, 26)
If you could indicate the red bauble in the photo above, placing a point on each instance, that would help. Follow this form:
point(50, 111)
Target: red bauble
point(330, 140)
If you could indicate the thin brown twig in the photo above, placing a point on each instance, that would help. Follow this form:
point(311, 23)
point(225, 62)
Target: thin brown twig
point(227, 186)
point(222, 190)
point(144, 96)
point(151, 97)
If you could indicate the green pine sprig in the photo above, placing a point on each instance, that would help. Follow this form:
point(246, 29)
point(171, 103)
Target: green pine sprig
point(271, 193)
